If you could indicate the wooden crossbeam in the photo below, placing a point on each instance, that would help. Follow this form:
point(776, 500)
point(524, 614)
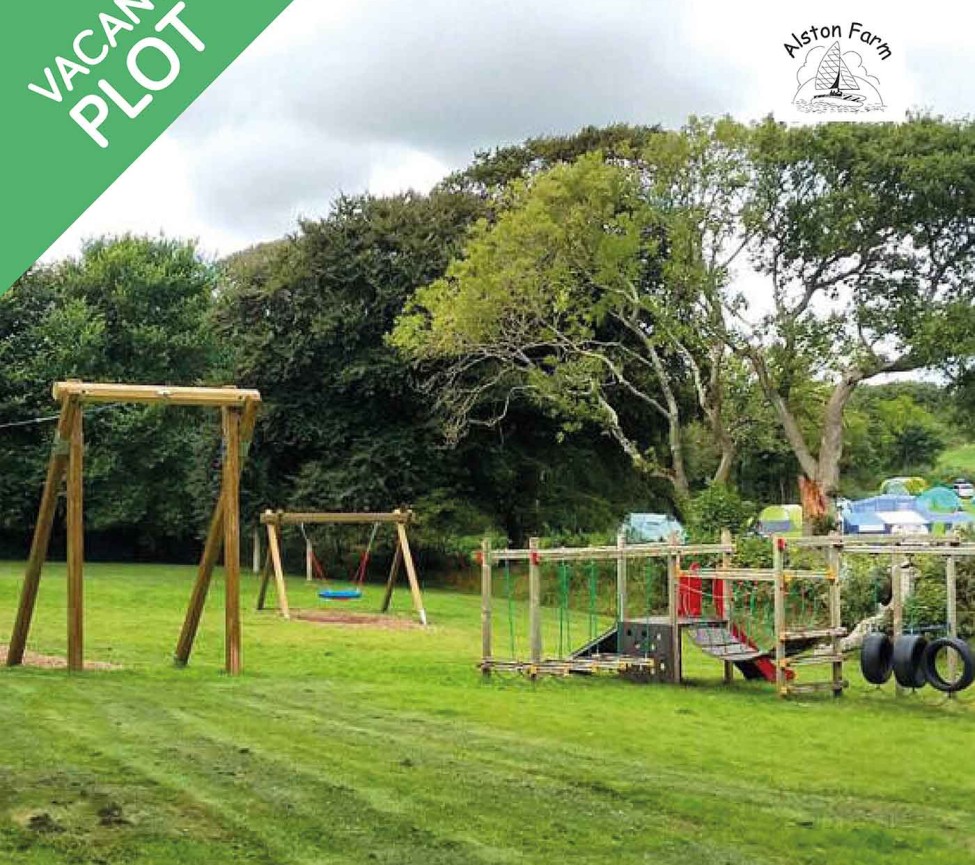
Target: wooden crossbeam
point(214, 397)
point(287, 518)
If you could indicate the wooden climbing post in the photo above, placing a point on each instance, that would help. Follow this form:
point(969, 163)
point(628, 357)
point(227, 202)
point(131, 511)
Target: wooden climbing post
point(76, 545)
point(231, 536)
point(781, 683)
point(673, 616)
point(486, 596)
point(897, 605)
point(621, 599)
point(834, 569)
point(951, 587)
point(535, 602)
point(726, 594)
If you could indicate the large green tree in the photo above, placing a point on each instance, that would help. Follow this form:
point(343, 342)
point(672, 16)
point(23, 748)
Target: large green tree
point(564, 300)
point(128, 309)
point(864, 234)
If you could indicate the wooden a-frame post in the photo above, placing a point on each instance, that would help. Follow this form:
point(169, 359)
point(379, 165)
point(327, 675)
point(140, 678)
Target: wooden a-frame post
point(239, 409)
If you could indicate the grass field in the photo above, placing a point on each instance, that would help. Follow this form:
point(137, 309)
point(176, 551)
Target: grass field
point(344, 745)
point(961, 458)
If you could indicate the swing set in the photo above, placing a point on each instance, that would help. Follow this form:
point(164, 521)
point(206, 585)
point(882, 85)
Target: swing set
point(274, 521)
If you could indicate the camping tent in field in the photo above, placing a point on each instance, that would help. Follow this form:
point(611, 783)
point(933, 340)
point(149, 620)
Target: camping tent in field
point(939, 500)
point(781, 520)
point(652, 529)
point(904, 486)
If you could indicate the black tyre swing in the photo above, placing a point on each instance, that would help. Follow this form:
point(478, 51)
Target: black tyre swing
point(933, 674)
point(908, 660)
point(877, 658)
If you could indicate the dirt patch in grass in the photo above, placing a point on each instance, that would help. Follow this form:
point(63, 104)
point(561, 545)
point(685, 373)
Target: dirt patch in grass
point(363, 620)
point(50, 662)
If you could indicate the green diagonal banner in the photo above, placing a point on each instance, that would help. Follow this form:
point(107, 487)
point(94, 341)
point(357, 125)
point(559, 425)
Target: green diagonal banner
point(86, 86)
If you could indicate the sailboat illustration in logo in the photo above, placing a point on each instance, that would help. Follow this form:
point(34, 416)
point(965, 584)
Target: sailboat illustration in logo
point(838, 82)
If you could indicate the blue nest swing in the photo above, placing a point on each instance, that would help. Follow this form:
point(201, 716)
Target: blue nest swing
point(358, 578)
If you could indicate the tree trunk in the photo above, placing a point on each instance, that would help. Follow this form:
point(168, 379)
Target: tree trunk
point(831, 440)
point(676, 442)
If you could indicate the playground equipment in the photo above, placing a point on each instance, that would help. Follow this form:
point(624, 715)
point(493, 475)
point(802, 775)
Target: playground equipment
point(743, 617)
point(908, 655)
point(239, 412)
point(274, 521)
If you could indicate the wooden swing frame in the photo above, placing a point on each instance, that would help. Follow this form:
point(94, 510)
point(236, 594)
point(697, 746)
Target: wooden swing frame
point(274, 521)
point(239, 409)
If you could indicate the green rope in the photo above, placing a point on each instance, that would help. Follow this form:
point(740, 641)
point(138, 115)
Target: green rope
point(565, 638)
point(509, 591)
point(593, 574)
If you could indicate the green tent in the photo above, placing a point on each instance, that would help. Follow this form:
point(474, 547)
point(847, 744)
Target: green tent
point(905, 486)
point(781, 520)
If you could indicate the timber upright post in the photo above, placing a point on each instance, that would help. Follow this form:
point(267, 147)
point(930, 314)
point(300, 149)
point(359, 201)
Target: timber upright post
point(256, 549)
point(486, 596)
point(897, 606)
point(535, 604)
point(231, 536)
point(673, 614)
point(403, 517)
point(729, 667)
point(833, 570)
point(621, 599)
point(781, 683)
point(951, 590)
point(76, 545)
point(60, 454)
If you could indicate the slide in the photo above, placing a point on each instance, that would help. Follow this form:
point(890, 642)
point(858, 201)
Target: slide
point(725, 641)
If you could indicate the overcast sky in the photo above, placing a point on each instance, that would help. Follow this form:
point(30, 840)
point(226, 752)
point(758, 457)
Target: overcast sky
point(386, 95)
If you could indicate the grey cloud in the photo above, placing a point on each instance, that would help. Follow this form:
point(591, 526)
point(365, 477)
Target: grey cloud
point(285, 131)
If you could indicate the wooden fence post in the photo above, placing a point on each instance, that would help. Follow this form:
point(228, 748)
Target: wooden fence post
point(486, 595)
point(535, 602)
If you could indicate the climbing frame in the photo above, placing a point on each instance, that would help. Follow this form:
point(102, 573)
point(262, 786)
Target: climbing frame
point(239, 409)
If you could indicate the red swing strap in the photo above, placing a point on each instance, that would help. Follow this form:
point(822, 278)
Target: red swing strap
point(360, 574)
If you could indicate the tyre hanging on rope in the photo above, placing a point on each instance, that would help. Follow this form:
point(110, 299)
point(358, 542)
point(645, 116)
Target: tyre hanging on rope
point(877, 658)
point(933, 675)
point(908, 661)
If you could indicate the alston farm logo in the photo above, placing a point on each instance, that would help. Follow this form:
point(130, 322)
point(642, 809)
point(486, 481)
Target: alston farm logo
point(834, 77)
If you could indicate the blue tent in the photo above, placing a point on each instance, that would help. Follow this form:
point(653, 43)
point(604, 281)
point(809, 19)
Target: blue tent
point(652, 529)
point(863, 522)
point(884, 503)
